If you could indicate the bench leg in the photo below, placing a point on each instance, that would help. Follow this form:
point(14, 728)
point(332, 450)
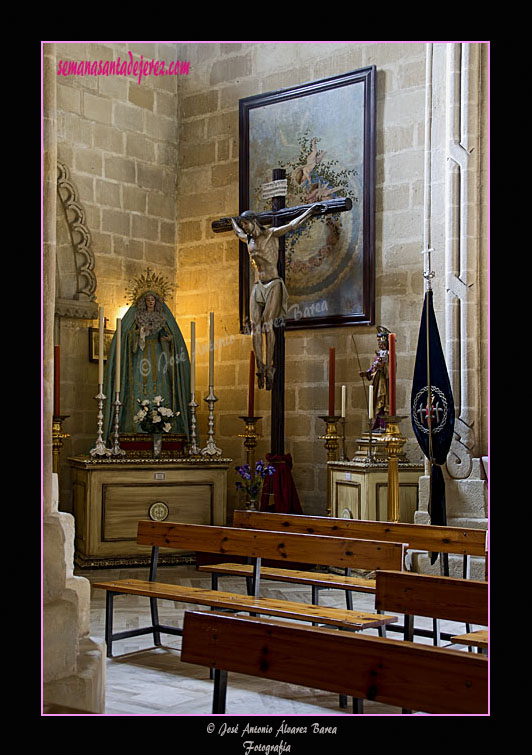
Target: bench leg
point(349, 600)
point(409, 628)
point(436, 631)
point(382, 629)
point(358, 705)
point(409, 636)
point(469, 628)
point(315, 601)
point(220, 691)
point(250, 580)
point(348, 593)
point(109, 598)
point(155, 621)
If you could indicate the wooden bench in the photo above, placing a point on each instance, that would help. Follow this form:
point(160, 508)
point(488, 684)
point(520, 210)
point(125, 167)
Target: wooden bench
point(422, 537)
point(332, 551)
point(462, 600)
point(478, 639)
point(464, 541)
point(394, 672)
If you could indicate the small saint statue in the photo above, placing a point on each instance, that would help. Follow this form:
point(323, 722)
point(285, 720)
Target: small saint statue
point(269, 297)
point(377, 375)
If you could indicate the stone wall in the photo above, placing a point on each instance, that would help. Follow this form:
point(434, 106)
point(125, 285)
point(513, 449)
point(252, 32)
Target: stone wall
point(155, 162)
point(221, 74)
point(118, 139)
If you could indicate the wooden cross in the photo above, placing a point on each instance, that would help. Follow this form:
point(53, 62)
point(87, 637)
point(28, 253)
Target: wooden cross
point(277, 216)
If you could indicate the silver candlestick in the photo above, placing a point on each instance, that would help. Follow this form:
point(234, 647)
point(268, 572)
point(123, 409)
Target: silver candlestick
point(100, 448)
point(116, 450)
point(211, 449)
point(194, 449)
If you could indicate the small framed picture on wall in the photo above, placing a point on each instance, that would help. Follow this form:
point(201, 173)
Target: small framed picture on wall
point(94, 343)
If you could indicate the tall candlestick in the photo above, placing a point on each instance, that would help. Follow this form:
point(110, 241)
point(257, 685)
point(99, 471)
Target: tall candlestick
point(193, 358)
point(251, 390)
point(100, 346)
point(331, 380)
point(57, 381)
point(343, 400)
point(118, 338)
point(392, 368)
point(211, 348)
point(370, 402)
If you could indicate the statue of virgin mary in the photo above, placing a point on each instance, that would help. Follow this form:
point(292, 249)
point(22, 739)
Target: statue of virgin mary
point(154, 361)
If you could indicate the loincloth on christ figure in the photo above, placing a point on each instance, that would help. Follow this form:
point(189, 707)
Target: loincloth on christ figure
point(262, 292)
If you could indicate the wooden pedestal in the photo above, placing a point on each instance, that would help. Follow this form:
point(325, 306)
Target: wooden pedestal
point(360, 491)
point(111, 496)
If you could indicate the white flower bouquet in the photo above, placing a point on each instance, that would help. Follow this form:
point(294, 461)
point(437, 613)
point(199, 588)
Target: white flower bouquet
point(153, 417)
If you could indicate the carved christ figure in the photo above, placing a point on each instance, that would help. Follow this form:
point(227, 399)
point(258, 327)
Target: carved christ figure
point(269, 297)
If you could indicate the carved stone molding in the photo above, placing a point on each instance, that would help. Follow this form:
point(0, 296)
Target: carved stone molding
point(79, 310)
point(80, 299)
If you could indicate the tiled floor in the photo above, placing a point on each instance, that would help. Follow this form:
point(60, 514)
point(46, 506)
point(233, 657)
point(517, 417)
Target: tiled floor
point(145, 680)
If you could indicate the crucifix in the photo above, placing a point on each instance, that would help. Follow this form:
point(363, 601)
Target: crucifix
point(263, 233)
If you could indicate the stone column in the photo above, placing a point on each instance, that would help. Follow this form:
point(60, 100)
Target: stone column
point(462, 252)
point(73, 663)
point(457, 149)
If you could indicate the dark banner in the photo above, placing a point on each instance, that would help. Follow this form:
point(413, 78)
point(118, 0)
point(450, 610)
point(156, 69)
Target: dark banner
point(432, 407)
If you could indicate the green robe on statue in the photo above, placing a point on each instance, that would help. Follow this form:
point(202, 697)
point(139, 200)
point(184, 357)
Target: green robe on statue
point(154, 362)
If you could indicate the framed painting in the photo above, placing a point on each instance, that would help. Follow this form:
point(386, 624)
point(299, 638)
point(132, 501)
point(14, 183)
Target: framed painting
point(322, 134)
point(94, 346)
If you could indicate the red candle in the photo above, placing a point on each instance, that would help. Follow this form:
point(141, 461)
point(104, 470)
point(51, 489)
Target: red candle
point(331, 381)
point(57, 380)
point(251, 390)
point(392, 370)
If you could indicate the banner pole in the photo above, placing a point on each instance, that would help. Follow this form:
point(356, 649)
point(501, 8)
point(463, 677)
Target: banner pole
point(428, 273)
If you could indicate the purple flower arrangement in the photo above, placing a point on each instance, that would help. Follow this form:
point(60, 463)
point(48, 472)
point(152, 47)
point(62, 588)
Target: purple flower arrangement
point(252, 484)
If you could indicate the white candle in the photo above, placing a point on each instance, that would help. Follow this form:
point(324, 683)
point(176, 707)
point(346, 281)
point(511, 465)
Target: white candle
point(211, 348)
point(192, 358)
point(100, 346)
point(343, 400)
point(370, 412)
point(118, 338)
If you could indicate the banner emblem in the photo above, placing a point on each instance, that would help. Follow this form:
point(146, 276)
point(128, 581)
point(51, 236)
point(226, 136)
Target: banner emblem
point(420, 409)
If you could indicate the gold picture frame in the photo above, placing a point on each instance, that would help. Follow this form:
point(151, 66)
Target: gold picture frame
point(94, 343)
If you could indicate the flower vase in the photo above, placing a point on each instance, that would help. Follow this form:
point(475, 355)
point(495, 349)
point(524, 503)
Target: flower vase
point(157, 445)
point(251, 504)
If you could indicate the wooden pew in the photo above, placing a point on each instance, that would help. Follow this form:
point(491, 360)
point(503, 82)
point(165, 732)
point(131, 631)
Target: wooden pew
point(463, 600)
point(477, 639)
point(332, 551)
point(424, 537)
point(464, 541)
point(408, 675)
